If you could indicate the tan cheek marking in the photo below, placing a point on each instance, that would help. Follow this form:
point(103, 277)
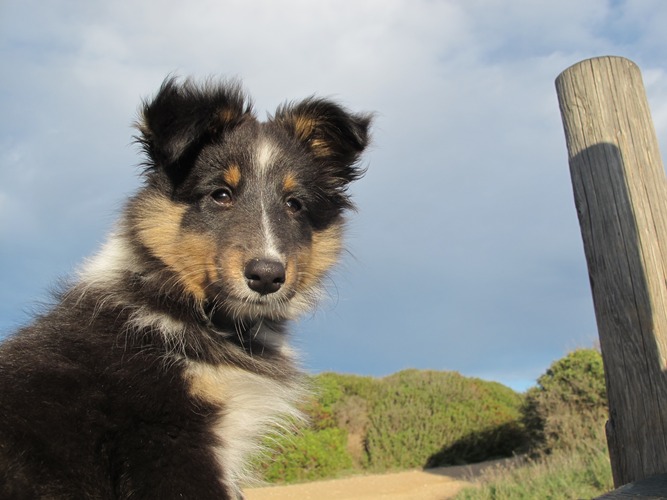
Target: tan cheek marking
point(292, 269)
point(190, 255)
point(158, 222)
point(321, 256)
point(193, 257)
point(232, 270)
point(232, 176)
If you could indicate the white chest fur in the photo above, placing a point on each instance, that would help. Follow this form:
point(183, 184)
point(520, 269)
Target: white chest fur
point(251, 407)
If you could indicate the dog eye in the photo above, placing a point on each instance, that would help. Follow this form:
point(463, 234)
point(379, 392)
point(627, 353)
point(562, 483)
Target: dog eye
point(293, 205)
point(222, 196)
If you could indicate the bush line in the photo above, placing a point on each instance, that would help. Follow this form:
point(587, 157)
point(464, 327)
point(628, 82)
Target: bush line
point(417, 418)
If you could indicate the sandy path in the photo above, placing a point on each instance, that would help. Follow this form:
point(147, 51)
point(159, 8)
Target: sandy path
point(434, 484)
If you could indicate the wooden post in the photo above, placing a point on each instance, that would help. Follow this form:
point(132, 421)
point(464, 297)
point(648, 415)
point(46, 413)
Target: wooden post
point(621, 198)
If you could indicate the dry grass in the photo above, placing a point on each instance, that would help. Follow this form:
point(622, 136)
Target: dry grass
point(584, 473)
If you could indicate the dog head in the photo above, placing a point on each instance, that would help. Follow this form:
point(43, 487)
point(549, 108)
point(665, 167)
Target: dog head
point(246, 216)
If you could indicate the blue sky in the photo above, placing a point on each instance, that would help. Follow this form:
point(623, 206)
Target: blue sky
point(465, 254)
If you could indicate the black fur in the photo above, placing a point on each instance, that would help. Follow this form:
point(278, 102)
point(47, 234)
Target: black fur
point(120, 390)
point(182, 118)
point(87, 413)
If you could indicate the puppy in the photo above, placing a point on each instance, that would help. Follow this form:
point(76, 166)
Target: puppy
point(161, 368)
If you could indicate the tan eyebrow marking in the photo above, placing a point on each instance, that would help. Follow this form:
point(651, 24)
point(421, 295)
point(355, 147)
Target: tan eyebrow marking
point(232, 176)
point(289, 182)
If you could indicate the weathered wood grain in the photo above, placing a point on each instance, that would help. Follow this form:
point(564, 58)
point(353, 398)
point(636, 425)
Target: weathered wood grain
point(621, 194)
point(653, 488)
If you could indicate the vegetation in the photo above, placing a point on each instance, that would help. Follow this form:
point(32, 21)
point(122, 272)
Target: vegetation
point(569, 404)
point(583, 474)
point(315, 454)
point(564, 419)
point(409, 419)
point(428, 418)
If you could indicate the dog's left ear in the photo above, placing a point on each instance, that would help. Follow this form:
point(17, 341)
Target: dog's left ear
point(334, 136)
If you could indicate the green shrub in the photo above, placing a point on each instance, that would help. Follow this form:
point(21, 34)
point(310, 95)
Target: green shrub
point(564, 416)
point(578, 379)
point(313, 454)
point(319, 409)
point(433, 418)
point(320, 450)
point(409, 419)
point(569, 404)
point(349, 385)
point(349, 408)
point(502, 441)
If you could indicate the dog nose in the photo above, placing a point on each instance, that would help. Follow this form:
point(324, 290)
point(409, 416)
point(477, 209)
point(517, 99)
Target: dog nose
point(265, 276)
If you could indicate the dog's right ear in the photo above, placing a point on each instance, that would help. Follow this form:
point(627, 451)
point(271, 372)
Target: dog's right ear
point(182, 117)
